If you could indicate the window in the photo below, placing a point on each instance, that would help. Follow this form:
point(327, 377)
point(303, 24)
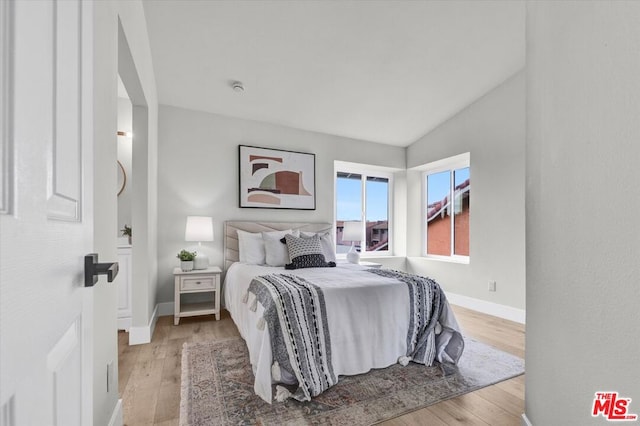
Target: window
point(447, 188)
point(363, 196)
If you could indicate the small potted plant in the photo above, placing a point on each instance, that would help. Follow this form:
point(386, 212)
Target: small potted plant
point(186, 260)
point(126, 232)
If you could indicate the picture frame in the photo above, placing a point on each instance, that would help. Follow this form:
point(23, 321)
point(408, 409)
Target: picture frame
point(276, 179)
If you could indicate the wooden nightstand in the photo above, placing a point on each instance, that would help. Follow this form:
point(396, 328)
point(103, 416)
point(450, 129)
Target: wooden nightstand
point(197, 281)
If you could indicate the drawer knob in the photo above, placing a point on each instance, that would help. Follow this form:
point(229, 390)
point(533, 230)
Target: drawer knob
point(197, 282)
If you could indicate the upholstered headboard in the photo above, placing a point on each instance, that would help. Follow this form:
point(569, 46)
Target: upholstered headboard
point(231, 233)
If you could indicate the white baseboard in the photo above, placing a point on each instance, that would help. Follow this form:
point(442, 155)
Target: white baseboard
point(525, 420)
point(165, 308)
point(490, 308)
point(142, 335)
point(124, 323)
point(117, 418)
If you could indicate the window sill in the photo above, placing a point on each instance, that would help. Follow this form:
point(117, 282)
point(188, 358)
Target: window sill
point(369, 255)
point(451, 259)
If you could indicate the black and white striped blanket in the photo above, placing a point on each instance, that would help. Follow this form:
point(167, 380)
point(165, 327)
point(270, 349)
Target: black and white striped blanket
point(295, 313)
point(425, 303)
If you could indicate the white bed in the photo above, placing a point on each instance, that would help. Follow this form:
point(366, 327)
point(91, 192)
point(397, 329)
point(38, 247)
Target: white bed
point(368, 328)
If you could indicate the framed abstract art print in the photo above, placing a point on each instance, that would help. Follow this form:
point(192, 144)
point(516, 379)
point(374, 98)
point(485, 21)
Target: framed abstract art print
point(277, 179)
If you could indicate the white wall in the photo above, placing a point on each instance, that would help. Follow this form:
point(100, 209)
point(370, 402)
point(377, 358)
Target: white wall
point(125, 156)
point(136, 71)
point(107, 14)
point(583, 205)
point(198, 163)
point(493, 130)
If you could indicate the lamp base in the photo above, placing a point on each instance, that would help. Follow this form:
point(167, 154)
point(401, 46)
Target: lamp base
point(200, 262)
point(353, 256)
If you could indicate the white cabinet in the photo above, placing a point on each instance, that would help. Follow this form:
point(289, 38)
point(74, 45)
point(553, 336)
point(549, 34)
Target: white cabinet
point(123, 281)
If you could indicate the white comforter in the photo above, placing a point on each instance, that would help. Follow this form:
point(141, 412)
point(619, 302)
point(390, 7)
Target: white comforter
point(367, 315)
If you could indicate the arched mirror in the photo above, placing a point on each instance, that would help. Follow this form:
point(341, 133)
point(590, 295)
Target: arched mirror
point(122, 178)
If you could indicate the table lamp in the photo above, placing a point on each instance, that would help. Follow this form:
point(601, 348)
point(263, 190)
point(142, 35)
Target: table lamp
point(199, 228)
point(352, 232)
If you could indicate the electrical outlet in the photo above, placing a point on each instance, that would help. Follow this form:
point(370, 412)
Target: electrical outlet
point(492, 286)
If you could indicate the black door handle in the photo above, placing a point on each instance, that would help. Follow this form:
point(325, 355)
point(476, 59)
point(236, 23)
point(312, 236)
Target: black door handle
point(92, 269)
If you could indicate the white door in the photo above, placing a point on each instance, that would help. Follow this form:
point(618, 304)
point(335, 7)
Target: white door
point(46, 220)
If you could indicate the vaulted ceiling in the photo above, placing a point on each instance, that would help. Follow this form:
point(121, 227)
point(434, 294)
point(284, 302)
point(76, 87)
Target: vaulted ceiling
point(382, 71)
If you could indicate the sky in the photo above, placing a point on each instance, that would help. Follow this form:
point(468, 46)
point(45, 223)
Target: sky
point(349, 200)
point(349, 195)
point(438, 184)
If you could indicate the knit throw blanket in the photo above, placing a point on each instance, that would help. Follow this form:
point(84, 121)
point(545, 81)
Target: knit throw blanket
point(425, 301)
point(295, 313)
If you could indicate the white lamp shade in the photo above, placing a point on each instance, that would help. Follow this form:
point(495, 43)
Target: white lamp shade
point(352, 231)
point(199, 228)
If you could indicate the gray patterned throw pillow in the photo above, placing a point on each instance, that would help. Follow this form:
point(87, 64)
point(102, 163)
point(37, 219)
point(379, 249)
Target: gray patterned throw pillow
point(305, 253)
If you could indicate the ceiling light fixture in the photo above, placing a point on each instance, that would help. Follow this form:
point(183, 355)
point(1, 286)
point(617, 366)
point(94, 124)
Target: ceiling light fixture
point(237, 86)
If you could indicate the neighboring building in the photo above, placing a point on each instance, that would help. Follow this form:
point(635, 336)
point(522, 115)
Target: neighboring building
point(377, 237)
point(439, 223)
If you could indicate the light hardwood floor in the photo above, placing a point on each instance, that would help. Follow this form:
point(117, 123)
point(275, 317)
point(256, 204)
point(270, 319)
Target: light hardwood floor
point(149, 375)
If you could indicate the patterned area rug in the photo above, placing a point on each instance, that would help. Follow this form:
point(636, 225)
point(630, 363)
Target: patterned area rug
point(217, 388)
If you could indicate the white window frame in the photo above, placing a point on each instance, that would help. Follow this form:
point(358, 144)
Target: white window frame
point(447, 164)
point(365, 171)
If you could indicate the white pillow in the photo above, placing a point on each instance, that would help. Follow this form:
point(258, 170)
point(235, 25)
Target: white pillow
point(326, 241)
point(251, 248)
point(276, 253)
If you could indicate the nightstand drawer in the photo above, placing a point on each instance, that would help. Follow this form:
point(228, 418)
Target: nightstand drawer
point(197, 283)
